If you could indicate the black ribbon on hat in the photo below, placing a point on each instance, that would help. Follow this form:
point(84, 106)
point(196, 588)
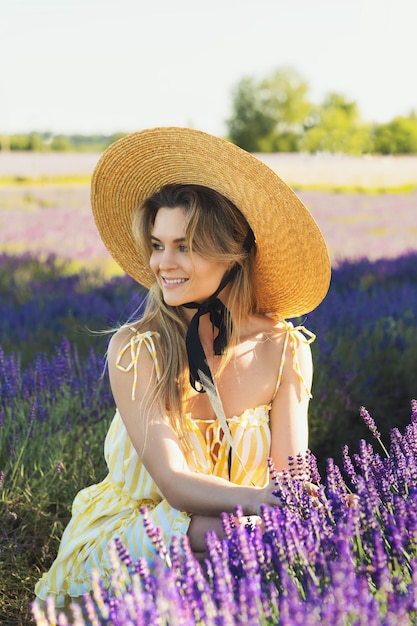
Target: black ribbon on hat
point(216, 309)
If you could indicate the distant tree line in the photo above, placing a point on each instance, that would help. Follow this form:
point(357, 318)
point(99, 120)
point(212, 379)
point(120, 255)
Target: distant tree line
point(272, 114)
point(44, 142)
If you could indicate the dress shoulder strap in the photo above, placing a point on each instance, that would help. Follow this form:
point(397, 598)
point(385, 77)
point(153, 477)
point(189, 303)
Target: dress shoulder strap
point(292, 335)
point(134, 346)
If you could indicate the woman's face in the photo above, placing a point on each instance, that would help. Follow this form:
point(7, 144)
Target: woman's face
point(181, 278)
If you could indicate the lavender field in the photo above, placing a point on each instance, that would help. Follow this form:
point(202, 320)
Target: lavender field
point(58, 220)
point(312, 562)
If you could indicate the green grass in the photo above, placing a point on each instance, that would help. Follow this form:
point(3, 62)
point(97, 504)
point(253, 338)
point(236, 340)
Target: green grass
point(106, 267)
point(394, 189)
point(50, 464)
point(20, 181)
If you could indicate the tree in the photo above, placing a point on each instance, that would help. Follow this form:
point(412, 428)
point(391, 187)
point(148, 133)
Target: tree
point(336, 127)
point(399, 136)
point(286, 93)
point(269, 115)
point(36, 143)
point(61, 143)
point(250, 120)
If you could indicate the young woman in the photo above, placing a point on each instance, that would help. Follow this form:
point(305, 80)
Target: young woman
point(211, 381)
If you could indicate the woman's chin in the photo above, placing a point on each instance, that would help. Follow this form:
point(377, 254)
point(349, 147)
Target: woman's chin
point(173, 300)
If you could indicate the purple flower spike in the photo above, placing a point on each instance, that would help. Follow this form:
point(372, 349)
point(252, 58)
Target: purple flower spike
point(348, 465)
point(272, 471)
point(370, 422)
point(124, 555)
point(414, 411)
point(155, 534)
point(313, 468)
point(93, 618)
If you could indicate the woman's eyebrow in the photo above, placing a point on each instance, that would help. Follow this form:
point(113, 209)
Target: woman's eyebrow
point(177, 240)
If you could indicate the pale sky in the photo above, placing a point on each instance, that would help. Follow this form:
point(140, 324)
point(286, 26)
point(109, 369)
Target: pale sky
point(101, 66)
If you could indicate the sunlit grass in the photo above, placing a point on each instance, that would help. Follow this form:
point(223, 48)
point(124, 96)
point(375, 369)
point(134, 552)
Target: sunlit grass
point(353, 188)
point(45, 181)
point(106, 267)
point(20, 181)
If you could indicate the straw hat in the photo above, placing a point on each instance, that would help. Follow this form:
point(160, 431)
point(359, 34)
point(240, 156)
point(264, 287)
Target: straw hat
point(292, 262)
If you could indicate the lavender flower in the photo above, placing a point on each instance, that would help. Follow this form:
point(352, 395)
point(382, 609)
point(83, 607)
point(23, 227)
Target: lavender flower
point(414, 411)
point(326, 565)
point(369, 422)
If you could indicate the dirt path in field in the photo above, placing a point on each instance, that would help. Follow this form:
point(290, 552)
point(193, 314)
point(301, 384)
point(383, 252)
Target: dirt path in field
point(342, 170)
point(295, 169)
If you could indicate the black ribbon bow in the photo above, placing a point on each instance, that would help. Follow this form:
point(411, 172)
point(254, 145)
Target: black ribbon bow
point(217, 310)
point(195, 352)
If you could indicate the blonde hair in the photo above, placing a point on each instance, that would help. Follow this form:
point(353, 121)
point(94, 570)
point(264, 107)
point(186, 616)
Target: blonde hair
point(216, 230)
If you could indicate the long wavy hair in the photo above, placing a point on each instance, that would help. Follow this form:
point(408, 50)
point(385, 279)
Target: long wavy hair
point(216, 230)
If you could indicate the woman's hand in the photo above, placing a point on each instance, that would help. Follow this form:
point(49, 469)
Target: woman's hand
point(270, 496)
point(266, 495)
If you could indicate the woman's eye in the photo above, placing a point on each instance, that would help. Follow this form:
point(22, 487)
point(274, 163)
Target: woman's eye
point(183, 248)
point(157, 246)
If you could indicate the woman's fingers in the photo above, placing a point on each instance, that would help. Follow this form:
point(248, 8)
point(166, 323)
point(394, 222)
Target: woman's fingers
point(310, 488)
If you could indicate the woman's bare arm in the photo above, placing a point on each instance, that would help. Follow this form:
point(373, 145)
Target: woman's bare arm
point(289, 413)
point(159, 449)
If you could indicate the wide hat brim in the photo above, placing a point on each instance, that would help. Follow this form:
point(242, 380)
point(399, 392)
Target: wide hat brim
point(292, 262)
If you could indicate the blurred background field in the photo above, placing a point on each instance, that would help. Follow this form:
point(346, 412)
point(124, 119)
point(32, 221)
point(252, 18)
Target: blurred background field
point(368, 171)
point(365, 206)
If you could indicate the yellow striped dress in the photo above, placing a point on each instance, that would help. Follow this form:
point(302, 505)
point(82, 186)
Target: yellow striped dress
point(111, 508)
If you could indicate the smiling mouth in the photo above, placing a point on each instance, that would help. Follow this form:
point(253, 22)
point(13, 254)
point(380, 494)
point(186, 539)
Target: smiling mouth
point(173, 281)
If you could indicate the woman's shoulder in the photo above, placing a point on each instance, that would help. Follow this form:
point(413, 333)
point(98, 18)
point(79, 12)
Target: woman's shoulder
point(135, 329)
point(128, 339)
point(282, 328)
point(282, 337)
point(132, 359)
point(268, 325)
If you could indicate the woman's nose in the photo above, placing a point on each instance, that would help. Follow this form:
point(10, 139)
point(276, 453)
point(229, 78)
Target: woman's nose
point(167, 259)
